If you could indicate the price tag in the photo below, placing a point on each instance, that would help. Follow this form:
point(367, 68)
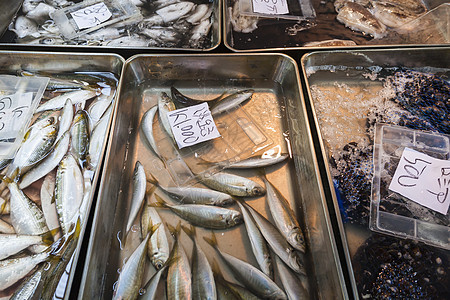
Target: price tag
point(192, 125)
point(423, 179)
point(271, 7)
point(91, 16)
point(13, 115)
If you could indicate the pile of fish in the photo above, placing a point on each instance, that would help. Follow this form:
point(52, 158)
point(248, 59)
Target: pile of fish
point(375, 17)
point(46, 187)
point(277, 242)
point(164, 24)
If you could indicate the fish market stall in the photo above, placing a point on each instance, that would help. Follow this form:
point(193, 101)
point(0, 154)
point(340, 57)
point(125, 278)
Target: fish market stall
point(239, 213)
point(382, 118)
point(302, 24)
point(56, 111)
point(133, 24)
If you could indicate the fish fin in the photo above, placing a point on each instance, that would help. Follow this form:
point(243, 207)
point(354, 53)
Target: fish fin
point(190, 231)
point(216, 270)
point(47, 237)
point(151, 179)
point(204, 162)
point(159, 202)
point(151, 190)
point(212, 241)
point(174, 231)
point(152, 228)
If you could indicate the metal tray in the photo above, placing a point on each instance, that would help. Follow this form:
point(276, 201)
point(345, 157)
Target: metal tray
point(279, 34)
point(51, 40)
point(276, 106)
point(344, 87)
point(12, 63)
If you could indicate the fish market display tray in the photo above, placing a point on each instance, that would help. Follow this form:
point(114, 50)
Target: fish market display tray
point(129, 24)
point(48, 186)
point(413, 22)
point(274, 117)
point(401, 96)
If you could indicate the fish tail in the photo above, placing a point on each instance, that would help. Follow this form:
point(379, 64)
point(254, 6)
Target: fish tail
point(174, 231)
point(159, 202)
point(212, 241)
point(151, 190)
point(190, 231)
point(262, 174)
point(152, 228)
point(47, 237)
point(151, 179)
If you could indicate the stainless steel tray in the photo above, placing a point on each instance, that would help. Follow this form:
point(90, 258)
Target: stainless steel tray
point(129, 35)
point(52, 64)
point(277, 107)
point(345, 88)
point(278, 34)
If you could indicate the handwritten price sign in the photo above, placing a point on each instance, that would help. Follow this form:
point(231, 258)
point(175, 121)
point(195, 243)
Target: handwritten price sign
point(192, 125)
point(271, 7)
point(91, 16)
point(13, 112)
point(423, 179)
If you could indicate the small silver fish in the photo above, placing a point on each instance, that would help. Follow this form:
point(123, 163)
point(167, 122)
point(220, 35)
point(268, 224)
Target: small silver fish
point(14, 243)
point(79, 134)
point(130, 278)
point(96, 142)
point(293, 287)
point(58, 102)
point(165, 104)
point(138, 193)
point(152, 285)
point(254, 162)
point(28, 288)
point(231, 101)
point(66, 118)
point(147, 128)
point(233, 184)
point(48, 205)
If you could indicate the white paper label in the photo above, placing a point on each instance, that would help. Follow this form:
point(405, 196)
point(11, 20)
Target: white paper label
point(192, 125)
point(91, 16)
point(423, 179)
point(271, 7)
point(13, 115)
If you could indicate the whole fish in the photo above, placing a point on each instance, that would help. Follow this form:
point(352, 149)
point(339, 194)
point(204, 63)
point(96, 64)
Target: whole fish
point(258, 243)
point(69, 191)
point(50, 162)
point(14, 243)
point(37, 144)
point(130, 278)
point(231, 101)
point(98, 109)
point(195, 195)
point(206, 216)
point(178, 280)
point(293, 287)
point(203, 284)
point(165, 104)
point(277, 242)
point(233, 184)
point(284, 217)
point(252, 162)
point(14, 269)
point(48, 205)
point(252, 278)
point(66, 118)
point(5, 227)
point(152, 285)
point(184, 100)
point(79, 132)
point(147, 128)
point(28, 288)
point(58, 102)
point(158, 250)
point(98, 137)
point(26, 217)
point(139, 186)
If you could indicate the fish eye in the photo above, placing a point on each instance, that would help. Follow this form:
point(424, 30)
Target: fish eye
point(159, 265)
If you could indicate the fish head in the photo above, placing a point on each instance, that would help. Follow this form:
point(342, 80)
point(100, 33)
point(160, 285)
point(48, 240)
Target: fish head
point(257, 190)
point(234, 219)
point(224, 202)
point(158, 260)
point(296, 262)
point(296, 238)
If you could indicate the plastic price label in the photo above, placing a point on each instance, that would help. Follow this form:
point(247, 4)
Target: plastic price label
point(91, 16)
point(423, 179)
point(13, 114)
point(192, 125)
point(271, 7)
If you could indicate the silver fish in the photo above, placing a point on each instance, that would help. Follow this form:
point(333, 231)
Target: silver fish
point(13, 243)
point(66, 118)
point(293, 287)
point(231, 101)
point(152, 285)
point(175, 11)
point(50, 162)
point(358, 18)
point(138, 193)
point(28, 288)
point(5, 227)
point(26, 217)
point(96, 142)
point(98, 109)
point(258, 243)
point(48, 205)
point(255, 162)
point(14, 269)
point(79, 132)
point(69, 191)
point(284, 217)
point(179, 280)
point(252, 278)
point(133, 40)
point(233, 184)
point(203, 284)
point(58, 102)
point(207, 216)
point(130, 278)
point(224, 292)
point(165, 104)
point(147, 128)
point(158, 250)
point(277, 242)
